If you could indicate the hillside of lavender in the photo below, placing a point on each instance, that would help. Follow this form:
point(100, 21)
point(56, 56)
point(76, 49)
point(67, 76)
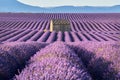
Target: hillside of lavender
point(30, 51)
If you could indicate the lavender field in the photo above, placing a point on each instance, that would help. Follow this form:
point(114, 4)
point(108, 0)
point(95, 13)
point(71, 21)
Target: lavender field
point(90, 50)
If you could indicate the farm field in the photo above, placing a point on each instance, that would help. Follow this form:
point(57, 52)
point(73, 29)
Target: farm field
point(90, 50)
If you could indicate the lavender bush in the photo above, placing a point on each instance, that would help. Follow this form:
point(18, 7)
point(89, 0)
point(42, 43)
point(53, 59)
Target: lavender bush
point(8, 65)
point(102, 59)
point(57, 61)
point(14, 55)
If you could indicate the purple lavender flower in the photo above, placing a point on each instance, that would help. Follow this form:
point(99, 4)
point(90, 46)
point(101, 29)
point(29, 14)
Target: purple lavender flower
point(102, 59)
point(57, 61)
point(14, 55)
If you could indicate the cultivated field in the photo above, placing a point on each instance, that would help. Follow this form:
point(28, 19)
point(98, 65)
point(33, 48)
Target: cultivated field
point(30, 51)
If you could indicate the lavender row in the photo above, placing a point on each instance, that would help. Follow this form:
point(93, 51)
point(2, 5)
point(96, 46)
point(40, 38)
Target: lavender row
point(76, 26)
point(113, 17)
point(47, 36)
point(93, 26)
point(14, 55)
point(23, 25)
point(57, 61)
point(102, 59)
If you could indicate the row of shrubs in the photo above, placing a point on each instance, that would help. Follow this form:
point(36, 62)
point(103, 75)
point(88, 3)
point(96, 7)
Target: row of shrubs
point(60, 61)
point(14, 55)
point(56, 61)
